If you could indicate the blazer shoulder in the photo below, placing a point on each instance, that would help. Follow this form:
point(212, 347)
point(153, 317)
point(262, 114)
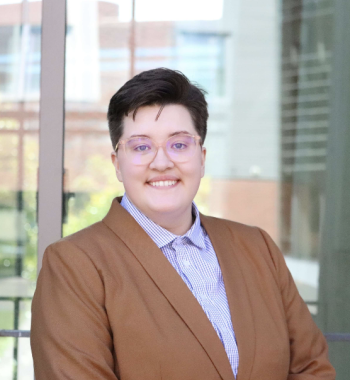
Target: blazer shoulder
point(90, 232)
point(255, 237)
point(78, 235)
point(253, 241)
point(87, 240)
point(234, 227)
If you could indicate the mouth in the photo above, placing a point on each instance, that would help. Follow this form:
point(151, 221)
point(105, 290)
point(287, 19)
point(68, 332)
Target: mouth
point(163, 184)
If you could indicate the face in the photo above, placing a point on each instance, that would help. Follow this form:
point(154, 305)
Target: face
point(140, 181)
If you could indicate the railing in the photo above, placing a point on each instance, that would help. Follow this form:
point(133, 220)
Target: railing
point(337, 337)
point(16, 333)
point(331, 337)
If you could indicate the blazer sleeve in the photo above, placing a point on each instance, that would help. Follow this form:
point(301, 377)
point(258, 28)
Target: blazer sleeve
point(70, 334)
point(308, 346)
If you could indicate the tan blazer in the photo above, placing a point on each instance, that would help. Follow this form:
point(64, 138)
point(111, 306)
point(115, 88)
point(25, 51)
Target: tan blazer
point(109, 306)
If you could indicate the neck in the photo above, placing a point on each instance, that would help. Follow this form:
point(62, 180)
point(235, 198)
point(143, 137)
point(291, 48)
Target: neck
point(176, 224)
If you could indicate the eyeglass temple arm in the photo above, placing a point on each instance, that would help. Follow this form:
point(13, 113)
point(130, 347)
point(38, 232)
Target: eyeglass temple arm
point(118, 143)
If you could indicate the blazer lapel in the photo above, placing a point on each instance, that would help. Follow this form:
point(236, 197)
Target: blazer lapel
point(170, 284)
point(227, 250)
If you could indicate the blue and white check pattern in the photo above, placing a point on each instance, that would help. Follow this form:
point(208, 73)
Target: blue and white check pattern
point(193, 257)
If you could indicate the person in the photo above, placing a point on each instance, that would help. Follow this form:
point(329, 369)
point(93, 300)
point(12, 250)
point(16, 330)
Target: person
point(156, 290)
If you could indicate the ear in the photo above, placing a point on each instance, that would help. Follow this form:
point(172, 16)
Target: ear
point(115, 161)
point(203, 157)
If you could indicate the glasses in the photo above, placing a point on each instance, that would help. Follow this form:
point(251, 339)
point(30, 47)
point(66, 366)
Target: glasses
point(142, 150)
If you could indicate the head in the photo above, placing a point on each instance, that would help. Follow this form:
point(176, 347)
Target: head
point(157, 87)
point(159, 104)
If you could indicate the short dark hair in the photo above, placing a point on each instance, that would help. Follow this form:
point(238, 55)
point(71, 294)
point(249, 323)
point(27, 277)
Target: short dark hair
point(160, 86)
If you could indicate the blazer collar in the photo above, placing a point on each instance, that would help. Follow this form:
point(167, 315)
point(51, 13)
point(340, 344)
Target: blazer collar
point(181, 298)
point(228, 250)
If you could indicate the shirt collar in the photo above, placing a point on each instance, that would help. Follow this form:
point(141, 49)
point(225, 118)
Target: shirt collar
point(160, 235)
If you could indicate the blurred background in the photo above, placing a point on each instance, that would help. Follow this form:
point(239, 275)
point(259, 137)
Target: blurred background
point(278, 82)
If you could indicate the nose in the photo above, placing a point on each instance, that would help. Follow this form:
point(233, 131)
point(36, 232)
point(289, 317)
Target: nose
point(161, 161)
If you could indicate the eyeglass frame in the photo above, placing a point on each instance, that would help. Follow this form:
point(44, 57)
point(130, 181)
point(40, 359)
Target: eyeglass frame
point(163, 145)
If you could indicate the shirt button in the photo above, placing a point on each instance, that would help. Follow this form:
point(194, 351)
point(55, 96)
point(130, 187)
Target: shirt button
point(186, 263)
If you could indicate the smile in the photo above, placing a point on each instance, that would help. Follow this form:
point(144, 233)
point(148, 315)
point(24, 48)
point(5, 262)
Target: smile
point(163, 183)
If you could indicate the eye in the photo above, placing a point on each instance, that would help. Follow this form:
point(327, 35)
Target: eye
point(179, 146)
point(142, 148)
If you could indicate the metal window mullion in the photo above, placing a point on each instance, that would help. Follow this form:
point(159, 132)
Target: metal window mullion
point(51, 124)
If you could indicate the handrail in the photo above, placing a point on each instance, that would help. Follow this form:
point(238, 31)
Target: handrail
point(337, 337)
point(331, 337)
point(15, 333)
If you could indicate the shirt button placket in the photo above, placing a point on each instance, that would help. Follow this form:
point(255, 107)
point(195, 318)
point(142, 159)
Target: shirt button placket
point(186, 263)
point(181, 254)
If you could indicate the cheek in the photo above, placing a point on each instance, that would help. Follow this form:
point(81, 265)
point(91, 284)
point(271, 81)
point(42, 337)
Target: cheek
point(193, 173)
point(132, 175)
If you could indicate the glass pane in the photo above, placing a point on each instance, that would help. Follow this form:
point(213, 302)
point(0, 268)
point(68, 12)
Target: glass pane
point(315, 175)
point(278, 139)
point(97, 63)
point(20, 38)
point(25, 369)
point(7, 361)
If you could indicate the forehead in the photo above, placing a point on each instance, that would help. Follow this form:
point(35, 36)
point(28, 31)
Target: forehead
point(173, 118)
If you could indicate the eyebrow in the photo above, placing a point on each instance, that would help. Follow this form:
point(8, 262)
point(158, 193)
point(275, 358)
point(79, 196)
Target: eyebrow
point(172, 134)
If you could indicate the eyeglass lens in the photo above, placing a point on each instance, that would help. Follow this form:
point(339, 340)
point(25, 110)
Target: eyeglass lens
point(142, 150)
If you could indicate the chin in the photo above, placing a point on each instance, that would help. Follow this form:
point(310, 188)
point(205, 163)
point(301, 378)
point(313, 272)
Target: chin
point(163, 208)
point(166, 207)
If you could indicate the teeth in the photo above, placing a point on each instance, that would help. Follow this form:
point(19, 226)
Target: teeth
point(163, 183)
